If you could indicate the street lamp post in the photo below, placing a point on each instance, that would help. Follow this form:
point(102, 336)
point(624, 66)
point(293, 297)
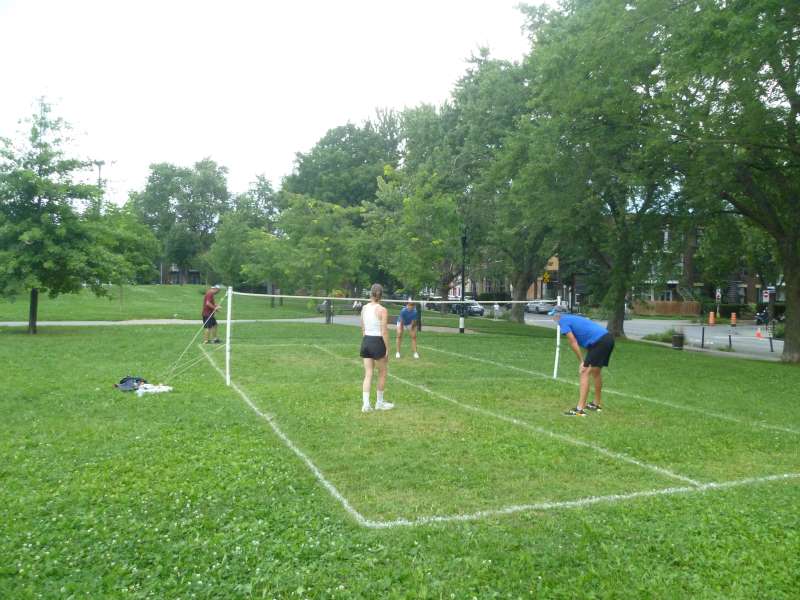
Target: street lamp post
point(463, 311)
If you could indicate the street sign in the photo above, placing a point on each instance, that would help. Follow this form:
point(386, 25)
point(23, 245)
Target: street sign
point(765, 296)
point(719, 294)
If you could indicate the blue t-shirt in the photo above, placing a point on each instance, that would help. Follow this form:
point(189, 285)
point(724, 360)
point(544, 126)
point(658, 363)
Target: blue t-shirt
point(408, 316)
point(587, 332)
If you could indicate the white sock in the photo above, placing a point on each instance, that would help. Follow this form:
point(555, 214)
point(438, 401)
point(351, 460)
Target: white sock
point(365, 398)
point(380, 397)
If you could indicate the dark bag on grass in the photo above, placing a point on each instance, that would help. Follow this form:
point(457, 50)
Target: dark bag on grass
point(129, 383)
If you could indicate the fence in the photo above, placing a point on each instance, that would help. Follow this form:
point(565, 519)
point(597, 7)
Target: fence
point(665, 308)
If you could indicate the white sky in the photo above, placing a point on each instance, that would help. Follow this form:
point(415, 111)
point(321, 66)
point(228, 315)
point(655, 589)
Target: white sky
point(248, 84)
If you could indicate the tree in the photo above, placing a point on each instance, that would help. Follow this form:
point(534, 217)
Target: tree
point(600, 99)
point(318, 244)
point(428, 225)
point(46, 244)
point(183, 207)
point(734, 106)
point(505, 182)
point(342, 168)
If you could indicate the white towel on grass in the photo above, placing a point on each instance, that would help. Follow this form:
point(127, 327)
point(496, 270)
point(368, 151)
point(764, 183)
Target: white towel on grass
point(149, 388)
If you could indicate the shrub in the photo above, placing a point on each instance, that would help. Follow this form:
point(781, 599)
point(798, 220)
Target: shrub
point(664, 336)
point(492, 296)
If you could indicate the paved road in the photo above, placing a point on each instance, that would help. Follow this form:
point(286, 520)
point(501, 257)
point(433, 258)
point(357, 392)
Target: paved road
point(743, 338)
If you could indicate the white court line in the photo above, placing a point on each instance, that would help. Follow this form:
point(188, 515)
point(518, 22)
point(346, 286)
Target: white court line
point(624, 394)
point(499, 512)
point(559, 436)
point(317, 473)
point(610, 499)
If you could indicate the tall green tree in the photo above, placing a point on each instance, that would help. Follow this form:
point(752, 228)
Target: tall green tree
point(600, 97)
point(342, 168)
point(318, 244)
point(46, 243)
point(733, 73)
point(183, 207)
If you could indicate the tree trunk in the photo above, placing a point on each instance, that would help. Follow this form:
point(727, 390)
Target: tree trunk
point(615, 299)
point(444, 292)
point(33, 310)
point(791, 273)
point(522, 281)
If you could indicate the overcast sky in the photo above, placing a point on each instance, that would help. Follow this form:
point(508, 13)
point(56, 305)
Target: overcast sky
point(248, 84)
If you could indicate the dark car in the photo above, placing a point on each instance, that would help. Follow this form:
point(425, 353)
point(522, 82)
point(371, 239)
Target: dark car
point(471, 308)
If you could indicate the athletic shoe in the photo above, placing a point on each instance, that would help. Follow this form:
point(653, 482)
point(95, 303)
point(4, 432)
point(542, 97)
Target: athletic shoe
point(594, 407)
point(366, 408)
point(416, 355)
point(397, 355)
point(574, 412)
point(216, 341)
point(384, 406)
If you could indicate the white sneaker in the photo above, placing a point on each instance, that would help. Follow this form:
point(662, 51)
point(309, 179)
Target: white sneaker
point(397, 355)
point(384, 406)
point(416, 355)
point(366, 408)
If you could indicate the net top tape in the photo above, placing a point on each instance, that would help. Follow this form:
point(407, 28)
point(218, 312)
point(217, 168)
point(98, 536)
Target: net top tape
point(387, 300)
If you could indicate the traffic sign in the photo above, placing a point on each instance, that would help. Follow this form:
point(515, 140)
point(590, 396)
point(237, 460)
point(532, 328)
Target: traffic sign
point(765, 296)
point(719, 294)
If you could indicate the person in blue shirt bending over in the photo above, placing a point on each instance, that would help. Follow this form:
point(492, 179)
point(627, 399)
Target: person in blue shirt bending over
point(407, 320)
point(599, 343)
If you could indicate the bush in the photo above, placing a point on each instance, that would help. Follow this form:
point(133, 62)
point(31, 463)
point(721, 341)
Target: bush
point(725, 310)
point(494, 296)
point(664, 336)
point(780, 331)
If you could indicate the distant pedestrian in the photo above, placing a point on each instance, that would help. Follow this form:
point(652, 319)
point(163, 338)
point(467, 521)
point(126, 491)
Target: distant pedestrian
point(375, 348)
point(209, 322)
point(407, 320)
point(599, 343)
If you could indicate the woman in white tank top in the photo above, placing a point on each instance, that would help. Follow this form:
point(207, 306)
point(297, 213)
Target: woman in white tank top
point(374, 348)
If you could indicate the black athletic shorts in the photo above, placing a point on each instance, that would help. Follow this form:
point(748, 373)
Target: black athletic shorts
point(372, 346)
point(211, 322)
point(600, 352)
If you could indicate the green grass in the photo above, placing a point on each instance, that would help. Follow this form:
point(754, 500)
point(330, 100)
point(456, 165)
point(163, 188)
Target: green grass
point(127, 302)
point(191, 494)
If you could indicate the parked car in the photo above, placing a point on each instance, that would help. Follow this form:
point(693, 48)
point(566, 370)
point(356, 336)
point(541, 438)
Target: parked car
point(472, 308)
point(539, 306)
point(433, 303)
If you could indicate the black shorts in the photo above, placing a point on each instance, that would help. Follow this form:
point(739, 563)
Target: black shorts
point(209, 322)
point(600, 352)
point(372, 346)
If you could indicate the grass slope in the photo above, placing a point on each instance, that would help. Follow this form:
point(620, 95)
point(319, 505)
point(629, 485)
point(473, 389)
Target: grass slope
point(191, 494)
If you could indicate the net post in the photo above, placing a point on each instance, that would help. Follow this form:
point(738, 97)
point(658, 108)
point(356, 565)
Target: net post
point(228, 339)
point(558, 351)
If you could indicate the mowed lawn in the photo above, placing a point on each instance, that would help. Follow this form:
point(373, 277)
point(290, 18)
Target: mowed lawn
point(474, 486)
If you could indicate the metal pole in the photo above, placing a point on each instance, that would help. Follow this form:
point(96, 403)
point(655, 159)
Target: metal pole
point(558, 351)
point(228, 339)
point(463, 280)
point(702, 337)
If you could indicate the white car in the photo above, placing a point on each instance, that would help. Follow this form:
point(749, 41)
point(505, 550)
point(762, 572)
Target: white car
point(539, 306)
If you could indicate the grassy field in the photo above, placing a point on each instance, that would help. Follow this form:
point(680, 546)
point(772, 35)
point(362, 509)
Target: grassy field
point(174, 302)
point(474, 486)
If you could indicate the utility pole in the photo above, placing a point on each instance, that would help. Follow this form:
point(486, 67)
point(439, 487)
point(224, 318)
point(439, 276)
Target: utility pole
point(463, 280)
